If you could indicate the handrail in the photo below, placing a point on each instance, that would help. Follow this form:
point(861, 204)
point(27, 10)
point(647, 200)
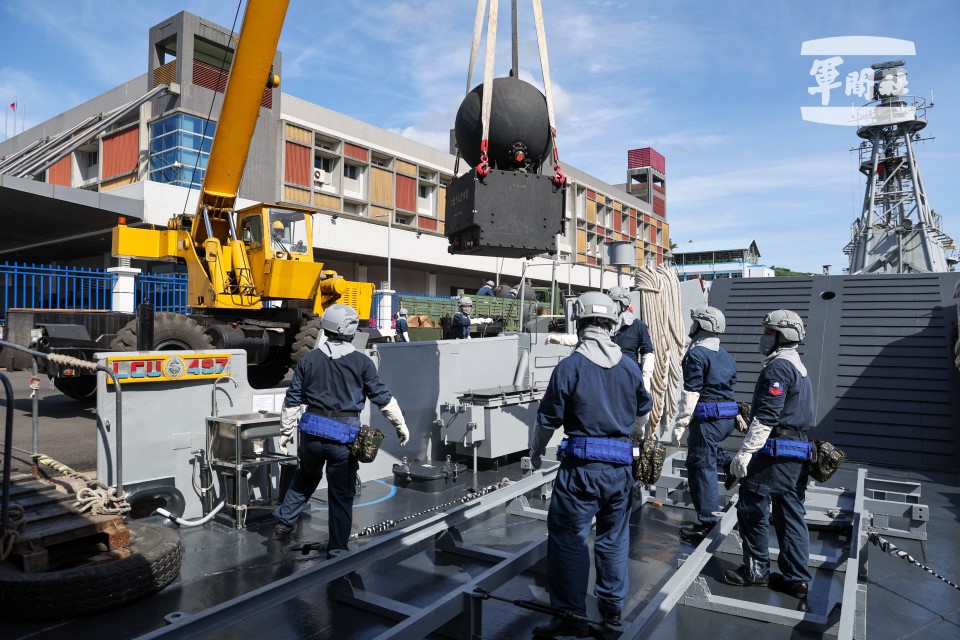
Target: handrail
point(75, 362)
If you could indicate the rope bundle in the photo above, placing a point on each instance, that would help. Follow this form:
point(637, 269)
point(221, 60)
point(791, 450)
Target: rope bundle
point(96, 497)
point(661, 310)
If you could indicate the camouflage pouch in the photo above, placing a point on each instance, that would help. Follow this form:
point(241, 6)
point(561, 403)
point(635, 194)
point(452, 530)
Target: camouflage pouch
point(743, 416)
point(826, 460)
point(649, 464)
point(367, 443)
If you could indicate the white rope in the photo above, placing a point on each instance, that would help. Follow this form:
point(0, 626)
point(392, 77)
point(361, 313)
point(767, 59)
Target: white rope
point(488, 79)
point(475, 47)
point(16, 521)
point(544, 62)
point(660, 309)
point(70, 361)
point(97, 498)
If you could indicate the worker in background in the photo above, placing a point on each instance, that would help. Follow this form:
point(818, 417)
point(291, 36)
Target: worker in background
point(329, 387)
point(531, 325)
point(502, 291)
point(594, 394)
point(403, 330)
point(486, 289)
point(707, 407)
point(632, 334)
point(460, 326)
point(772, 461)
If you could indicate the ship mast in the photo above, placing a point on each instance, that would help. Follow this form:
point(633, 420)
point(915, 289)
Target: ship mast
point(897, 231)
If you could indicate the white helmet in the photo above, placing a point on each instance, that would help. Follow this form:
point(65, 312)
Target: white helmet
point(402, 312)
point(709, 318)
point(621, 295)
point(340, 320)
point(489, 283)
point(594, 304)
point(787, 323)
point(466, 302)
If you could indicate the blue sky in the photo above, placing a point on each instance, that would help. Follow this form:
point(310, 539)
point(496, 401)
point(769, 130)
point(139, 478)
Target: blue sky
point(715, 86)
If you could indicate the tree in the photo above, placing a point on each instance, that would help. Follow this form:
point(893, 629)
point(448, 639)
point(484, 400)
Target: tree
point(783, 271)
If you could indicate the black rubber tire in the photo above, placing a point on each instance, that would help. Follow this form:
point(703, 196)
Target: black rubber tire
point(81, 388)
point(171, 331)
point(269, 374)
point(306, 338)
point(52, 595)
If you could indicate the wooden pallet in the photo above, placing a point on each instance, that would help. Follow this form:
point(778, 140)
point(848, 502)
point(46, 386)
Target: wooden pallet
point(56, 535)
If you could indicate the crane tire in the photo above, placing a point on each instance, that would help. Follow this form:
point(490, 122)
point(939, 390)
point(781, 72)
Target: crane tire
point(153, 564)
point(82, 388)
point(171, 331)
point(306, 338)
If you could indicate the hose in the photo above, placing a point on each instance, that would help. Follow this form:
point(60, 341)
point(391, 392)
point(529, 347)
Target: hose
point(191, 523)
point(660, 309)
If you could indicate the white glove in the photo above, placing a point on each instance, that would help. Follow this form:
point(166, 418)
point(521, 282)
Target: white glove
point(646, 367)
point(688, 402)
point(640, 427)
point(565, 339)
point(289, 419)
point(742, 425)
point(755, 438)
point(391, 411)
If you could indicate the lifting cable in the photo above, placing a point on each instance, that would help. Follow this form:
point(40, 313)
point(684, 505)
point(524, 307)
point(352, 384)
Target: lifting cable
point(483, 167)
point(386, 525)
point(888, 547)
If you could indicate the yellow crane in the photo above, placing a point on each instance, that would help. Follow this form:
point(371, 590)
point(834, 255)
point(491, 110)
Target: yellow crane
point(238, 260)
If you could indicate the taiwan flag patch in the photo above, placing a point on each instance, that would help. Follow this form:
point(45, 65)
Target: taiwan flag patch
point(776, 389)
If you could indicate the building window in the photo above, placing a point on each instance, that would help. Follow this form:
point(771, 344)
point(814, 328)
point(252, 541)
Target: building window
point(350, 171)
point(322, 163)
point(180, 148)
point(423, 191)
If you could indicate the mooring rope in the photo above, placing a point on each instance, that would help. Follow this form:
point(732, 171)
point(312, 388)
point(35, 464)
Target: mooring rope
point(889, 547)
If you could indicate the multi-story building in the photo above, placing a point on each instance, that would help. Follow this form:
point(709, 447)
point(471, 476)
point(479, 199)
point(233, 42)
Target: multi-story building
point(714, 259)
point(380, 196)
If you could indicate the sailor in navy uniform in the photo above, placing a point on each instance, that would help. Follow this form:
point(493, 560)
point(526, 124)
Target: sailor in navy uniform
point(329, 388)
point(708, 408)
point(772, 463)
point(594, 394)
point(633, 334)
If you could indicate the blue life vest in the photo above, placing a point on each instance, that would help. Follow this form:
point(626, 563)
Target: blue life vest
point(597, 449)
point(326, 428)
point(714, 410)
point(779, 448)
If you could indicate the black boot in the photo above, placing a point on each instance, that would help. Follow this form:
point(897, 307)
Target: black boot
point(560, 627)
point(282, 531)
point(739, 578)
point(795, 588)
point(695, 532)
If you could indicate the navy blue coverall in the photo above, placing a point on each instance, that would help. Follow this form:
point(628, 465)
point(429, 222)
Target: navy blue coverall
point(460, 326)
point(336, 389)
point(634, 340)
point(402, 328)
point(782, 399)
point(589, 400)
point(712, 374)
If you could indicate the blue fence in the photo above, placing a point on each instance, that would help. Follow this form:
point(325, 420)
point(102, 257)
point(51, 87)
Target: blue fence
point(36, 286)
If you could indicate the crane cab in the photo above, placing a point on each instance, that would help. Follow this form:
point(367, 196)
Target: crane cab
point(279, 246)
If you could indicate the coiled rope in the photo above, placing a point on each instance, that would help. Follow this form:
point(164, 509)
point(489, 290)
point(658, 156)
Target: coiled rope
point(16, 521)
point(96, 497)
point(70, 361)
point(889, 547)
point(660, 309)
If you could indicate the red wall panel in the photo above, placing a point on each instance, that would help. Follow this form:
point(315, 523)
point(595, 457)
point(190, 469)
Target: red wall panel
point(406, 193)
point(428, 223)
point(646, 157)
point(60, 172)
point(659, 207)
point(633, 227)
point(120, 152)
point(355, 152)
point(297, 169)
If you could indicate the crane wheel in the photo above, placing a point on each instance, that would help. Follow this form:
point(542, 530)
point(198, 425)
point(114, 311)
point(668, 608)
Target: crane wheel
point(171, 331)
point(82, 388)
point(306, 338)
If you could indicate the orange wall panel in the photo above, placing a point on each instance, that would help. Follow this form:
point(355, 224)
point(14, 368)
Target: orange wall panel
point(297, 168)
point(120, 152)
point(406, 193)
point(427, 223)
point(355, 152)
point(60, 172)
